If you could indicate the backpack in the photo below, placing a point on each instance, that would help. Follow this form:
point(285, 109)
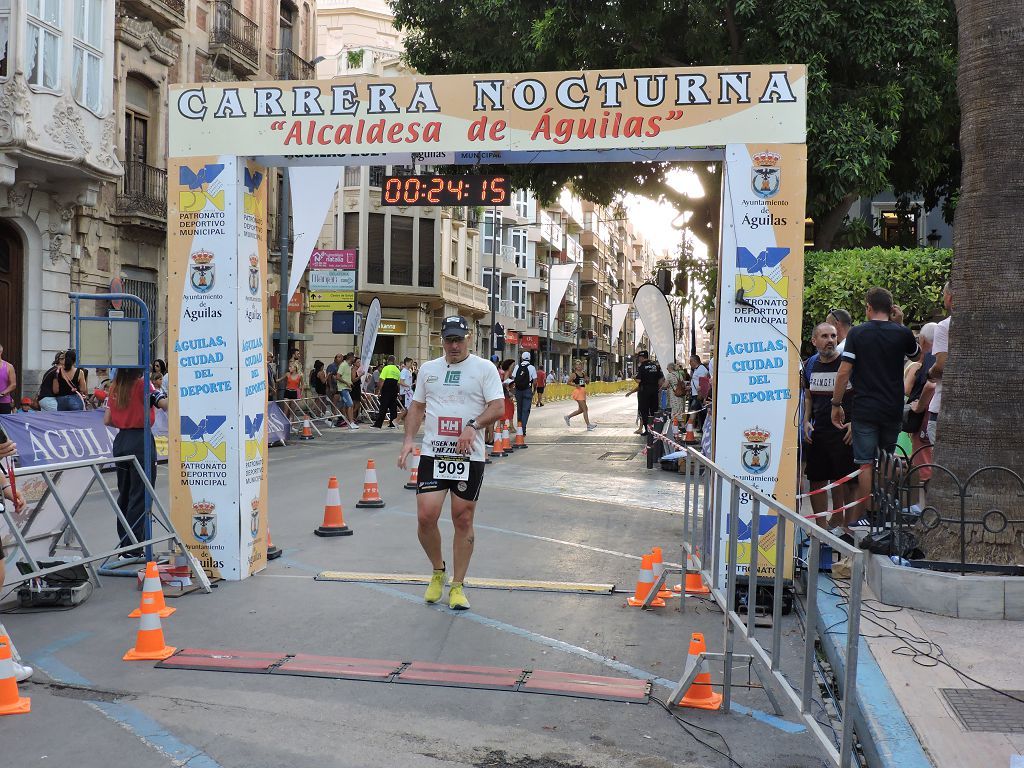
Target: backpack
point(522, 379)
point(679, 389)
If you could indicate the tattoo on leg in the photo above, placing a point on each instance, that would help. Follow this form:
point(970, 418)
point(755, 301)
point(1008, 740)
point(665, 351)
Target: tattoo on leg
point(469, 540)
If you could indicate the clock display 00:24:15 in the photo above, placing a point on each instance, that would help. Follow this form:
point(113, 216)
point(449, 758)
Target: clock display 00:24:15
point(445, 190)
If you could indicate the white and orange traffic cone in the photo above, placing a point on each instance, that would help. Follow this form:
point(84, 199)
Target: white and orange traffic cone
point(690, 438)
point(10, 702)
point(659, 568)
point(644, 582)
point(371, 491)
point(506, 444)
point(700, 694)
point(694, 582)
point(272, 552)
point(520, 437)
point(149, 642)
point(496, 452)
point(307, 430)
point(152, 587)
point(334, 517)
point(675, 426)
point(414, 473)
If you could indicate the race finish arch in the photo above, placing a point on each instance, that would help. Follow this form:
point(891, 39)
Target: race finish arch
point(223, 136)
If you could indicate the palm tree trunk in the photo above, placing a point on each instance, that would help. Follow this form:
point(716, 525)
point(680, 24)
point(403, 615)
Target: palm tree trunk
point(982, 412)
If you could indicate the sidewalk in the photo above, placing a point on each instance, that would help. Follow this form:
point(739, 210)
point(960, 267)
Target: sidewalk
point(988, 651)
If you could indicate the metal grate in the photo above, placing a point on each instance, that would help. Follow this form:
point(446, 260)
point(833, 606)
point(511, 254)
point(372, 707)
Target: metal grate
point(984, 710)
point(616, 456)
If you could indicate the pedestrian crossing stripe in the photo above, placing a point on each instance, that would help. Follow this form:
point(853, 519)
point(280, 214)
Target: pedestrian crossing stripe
point(525, 585)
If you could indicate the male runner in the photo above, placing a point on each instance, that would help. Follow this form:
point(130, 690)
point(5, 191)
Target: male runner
point(458, 394)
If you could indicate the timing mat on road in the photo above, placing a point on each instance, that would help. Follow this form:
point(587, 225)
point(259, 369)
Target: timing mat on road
point(571, 587)
point(514, 679)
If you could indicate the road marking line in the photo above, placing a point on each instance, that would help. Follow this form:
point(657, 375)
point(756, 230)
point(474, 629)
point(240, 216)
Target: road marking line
point(478, 583)
point(152, 734)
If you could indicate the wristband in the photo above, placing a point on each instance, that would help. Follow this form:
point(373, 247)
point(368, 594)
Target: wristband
point(837, 405)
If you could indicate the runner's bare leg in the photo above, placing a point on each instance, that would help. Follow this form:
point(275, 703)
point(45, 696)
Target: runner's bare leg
point(462, 550)
point(428, 512)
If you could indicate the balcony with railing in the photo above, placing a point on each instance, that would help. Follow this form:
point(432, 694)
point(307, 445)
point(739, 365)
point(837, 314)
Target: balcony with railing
point(288, 65)
point(165, 14)
point(573, 250)
point(142, 194)
point(464, 294)
point(537, 321)
point(236, 36)
point(590, 272)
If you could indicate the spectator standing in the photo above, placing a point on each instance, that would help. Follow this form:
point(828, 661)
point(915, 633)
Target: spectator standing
point(523, 377)
point(318, 378)
point(389, 378)
point(700, 388)
point(505, 375)
point(332, 380)
point(70, 386)
point(357, 387)
point(8, 385)
point(678, 386)
point(292, 382)
point(345, 389)
point(829, 450)
point(940, 348)
point(538, 386)
point(843, 322)
point(271, 377)
point(126, 412)
point(648, 384)
point(873, 363)
point(919, 394)
point(405, 383)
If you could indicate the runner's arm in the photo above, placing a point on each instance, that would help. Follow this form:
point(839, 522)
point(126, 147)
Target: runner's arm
point(842, 379)
point(413, 420)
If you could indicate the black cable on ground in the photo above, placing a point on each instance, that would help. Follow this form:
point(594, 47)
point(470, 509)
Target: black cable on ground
point(915, 648)
point(686, 725)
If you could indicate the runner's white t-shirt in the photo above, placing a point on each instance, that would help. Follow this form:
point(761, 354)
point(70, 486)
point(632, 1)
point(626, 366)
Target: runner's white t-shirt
point(454, 394)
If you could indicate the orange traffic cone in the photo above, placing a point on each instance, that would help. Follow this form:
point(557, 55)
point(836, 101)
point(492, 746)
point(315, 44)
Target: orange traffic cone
point(149, 642)
point(152, 587)
point(506, 444)
point(691, 437)
point(694, 582)
point(334, 518)
point(371, 491)
point(272, 552)
point(496, 452)
point(520, 437)
point(675, 426)
point(700, 695)
point(659, 568)
point(644, 582)
point(307, 430)
point(10, 702)
point(414, 473)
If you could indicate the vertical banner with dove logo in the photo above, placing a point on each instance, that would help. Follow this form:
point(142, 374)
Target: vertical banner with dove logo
point(216, 236)
point(757, 358)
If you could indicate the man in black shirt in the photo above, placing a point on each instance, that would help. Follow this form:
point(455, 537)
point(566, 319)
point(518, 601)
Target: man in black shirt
point(829, 451)
point(873, 363)
point(648, 386)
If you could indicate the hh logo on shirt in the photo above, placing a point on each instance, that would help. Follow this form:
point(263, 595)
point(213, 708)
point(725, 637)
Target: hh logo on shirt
point(447, 425)
point(451, 378)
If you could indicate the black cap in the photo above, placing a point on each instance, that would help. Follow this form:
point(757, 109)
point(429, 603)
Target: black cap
point(642, 353)
point(454, 325)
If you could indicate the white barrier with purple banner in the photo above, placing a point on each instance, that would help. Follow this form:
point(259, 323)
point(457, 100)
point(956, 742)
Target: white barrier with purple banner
point(46, 437)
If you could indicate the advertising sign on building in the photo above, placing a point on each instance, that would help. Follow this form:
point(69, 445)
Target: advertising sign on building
point(325, 259)
point(757, 367)
point(342, 301)
point(529, 342)
point(217, 439)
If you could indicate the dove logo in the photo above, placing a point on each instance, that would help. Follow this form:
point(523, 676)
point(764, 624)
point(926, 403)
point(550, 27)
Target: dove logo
point(254, 439)
point(751, 278)
point(195, 198)
point(200, 441)
point(252, 204)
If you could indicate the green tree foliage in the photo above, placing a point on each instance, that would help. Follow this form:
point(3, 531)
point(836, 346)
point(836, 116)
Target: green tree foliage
point(882, 108)
point(839, 279)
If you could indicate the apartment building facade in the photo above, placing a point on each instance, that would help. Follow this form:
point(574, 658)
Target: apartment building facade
point(83, 145)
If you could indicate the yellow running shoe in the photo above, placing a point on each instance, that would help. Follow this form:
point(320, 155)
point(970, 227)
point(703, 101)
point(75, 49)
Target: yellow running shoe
point(457, 600)
point(435, 588)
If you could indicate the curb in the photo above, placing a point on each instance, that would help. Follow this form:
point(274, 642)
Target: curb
point(887, 738)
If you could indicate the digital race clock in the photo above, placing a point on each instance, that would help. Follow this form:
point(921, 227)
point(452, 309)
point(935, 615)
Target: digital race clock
point(445, 190)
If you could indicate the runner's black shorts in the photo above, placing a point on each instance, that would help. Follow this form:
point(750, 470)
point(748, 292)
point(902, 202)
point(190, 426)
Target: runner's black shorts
point(541, 390)
point(828, 457)
point(465, 489)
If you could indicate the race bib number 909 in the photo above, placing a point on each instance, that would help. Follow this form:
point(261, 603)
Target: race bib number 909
point(446, 468)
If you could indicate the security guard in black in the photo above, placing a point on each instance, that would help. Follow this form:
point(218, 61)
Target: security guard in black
point(648, 378)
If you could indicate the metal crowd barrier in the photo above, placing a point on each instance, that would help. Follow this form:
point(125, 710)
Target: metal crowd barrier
point(160, 527)
point(315, 408)
point(703, 517)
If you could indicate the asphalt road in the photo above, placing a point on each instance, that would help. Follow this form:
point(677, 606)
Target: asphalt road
point(575, 506)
